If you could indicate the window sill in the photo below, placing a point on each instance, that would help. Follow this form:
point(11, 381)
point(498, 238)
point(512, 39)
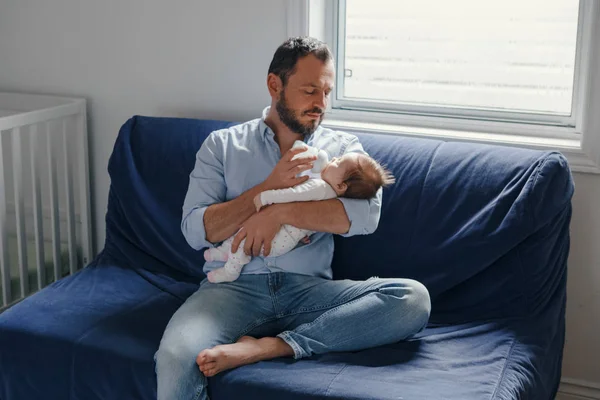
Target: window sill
point(578, 160)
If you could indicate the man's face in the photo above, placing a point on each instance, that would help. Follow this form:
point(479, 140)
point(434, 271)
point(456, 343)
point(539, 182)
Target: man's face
point(303, 100)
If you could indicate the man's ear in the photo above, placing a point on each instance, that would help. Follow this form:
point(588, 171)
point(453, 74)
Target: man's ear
point(274, 85)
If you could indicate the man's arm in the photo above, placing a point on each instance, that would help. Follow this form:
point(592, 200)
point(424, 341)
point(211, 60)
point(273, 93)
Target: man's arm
point(321, 216)
point(207, 217)
point(260, 229)
point(342, 216)
point(206, 187)
point(222, 220)
point(332, 216)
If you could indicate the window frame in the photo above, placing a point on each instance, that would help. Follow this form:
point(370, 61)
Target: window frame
point(579, 140)
point(339, 101)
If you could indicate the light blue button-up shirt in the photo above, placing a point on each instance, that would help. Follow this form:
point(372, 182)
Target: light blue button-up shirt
point(233, 160)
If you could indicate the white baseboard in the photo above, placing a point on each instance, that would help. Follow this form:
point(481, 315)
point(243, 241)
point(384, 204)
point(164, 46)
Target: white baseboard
point(575, 389)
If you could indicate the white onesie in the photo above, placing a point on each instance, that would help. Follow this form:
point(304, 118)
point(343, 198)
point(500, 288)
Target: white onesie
point(288, 236)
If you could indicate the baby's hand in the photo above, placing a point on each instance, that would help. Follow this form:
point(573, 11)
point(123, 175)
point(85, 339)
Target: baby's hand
point(257, 202)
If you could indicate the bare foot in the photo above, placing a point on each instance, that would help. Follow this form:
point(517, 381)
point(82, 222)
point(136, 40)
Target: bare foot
point(246, 350)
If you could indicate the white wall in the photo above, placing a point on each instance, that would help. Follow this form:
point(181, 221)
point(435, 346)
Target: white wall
point(177, 58)
point(582, 349)
point(209, 59)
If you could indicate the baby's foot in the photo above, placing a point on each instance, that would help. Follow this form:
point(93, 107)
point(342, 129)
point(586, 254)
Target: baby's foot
point(215, 254)
point(222, 275)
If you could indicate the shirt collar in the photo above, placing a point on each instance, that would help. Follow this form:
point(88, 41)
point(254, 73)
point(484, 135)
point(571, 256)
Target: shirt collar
point(262, 125)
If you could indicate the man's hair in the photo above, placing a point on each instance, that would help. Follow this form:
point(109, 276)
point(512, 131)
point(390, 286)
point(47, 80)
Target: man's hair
point(287, 55)
point(366, 178)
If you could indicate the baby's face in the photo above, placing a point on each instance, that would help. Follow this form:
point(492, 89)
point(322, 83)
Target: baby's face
point(335, 171)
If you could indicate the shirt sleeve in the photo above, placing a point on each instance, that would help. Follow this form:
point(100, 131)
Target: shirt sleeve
point(311, 190)
point(363, 214)
point(206, 187)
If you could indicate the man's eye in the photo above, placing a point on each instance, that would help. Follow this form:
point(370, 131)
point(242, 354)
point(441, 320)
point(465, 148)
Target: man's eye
point(309, 91)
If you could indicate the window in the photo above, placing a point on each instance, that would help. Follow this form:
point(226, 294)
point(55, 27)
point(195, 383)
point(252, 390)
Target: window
point(515, 72)
point(506, 60)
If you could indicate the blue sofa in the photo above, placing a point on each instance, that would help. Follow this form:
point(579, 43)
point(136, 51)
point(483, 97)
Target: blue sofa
point(485, 228)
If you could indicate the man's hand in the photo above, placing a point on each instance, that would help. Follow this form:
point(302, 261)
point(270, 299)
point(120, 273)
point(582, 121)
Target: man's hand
point(258, 230)
point(284, 174)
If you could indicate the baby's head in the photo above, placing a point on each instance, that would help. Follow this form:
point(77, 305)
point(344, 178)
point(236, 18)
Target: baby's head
point(356, 176)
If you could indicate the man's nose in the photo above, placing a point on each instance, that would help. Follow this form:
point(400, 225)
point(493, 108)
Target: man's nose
point(320, 101)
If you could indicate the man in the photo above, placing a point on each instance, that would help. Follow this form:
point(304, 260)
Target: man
point(286, 306)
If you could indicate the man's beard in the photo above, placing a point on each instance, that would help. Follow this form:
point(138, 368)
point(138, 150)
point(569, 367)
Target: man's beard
point(288, 117)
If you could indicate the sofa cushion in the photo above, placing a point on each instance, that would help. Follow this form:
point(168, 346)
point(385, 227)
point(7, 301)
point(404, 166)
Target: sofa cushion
point(499, 360)
point(93, 335)
point(89, 336)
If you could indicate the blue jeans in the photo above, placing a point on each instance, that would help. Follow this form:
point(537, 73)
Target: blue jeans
point(312, 315)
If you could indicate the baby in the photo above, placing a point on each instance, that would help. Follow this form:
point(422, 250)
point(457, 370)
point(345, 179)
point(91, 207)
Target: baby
point(353, 175)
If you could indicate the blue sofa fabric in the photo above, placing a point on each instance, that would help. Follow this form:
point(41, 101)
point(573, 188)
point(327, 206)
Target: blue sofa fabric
point(485, 228)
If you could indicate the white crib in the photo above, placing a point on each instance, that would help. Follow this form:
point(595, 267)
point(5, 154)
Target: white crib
point(45, 224)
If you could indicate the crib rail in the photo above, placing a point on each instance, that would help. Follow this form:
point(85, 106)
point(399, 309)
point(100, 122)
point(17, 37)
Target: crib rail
point(51, 134)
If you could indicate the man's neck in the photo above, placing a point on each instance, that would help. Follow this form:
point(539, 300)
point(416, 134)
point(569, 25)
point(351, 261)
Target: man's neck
point(284, 137)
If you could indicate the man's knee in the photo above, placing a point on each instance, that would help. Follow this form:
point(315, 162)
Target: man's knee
point(174, 354)
point(420, 303)
point(413, 303)
point(177, 374)
point(180, 346)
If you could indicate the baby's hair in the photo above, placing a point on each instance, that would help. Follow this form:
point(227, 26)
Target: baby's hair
point(365, 180)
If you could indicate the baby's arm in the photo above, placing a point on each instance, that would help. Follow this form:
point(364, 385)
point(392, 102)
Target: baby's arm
point(311, 190)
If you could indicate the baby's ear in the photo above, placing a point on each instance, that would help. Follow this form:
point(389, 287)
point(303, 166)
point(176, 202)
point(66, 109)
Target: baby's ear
point(342, 187)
